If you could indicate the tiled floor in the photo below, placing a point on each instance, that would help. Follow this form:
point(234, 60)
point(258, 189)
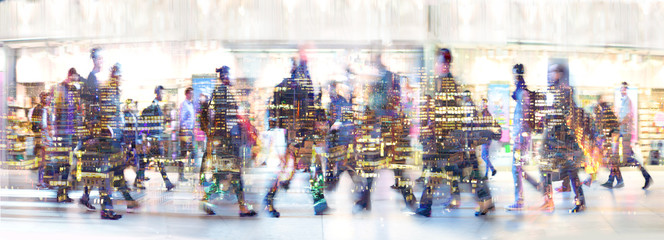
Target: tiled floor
point(627, 213)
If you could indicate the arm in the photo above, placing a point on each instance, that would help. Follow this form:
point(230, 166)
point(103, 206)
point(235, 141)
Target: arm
point(183, 116)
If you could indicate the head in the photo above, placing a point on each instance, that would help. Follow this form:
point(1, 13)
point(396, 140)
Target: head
point(466, 96)
point(189, 93)
point(378, 60)
point(45, 98)
point(224, 75)
point(556, 73)
point(97, 58)
point(443, 61)
point(116, 71)
point(517, 71)
point(202, 99)
point(72, 75)
point(333, 89)
point(623, 89)
point(158, 92)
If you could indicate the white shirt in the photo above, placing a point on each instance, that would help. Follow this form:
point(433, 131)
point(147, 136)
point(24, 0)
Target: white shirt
point(187, 115)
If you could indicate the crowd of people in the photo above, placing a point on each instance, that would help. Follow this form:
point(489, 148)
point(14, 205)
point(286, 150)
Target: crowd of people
point(87, 136)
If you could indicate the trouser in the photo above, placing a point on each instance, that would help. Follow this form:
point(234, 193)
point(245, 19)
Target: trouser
point(156, 149)
point(214, 186)
point(485, 156)
point(58, 173)
point(520, 157)
point(120, 183)
point(627, 159)
point(453, 175)
point(187, 151)
point(569, 170)
point(404, 185)
point(105, 192)
point(316, 181)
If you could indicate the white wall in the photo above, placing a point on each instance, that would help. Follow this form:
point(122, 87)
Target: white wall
point(624, 23)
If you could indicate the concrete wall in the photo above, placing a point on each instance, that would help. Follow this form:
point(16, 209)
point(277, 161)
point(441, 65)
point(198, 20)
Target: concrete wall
point(626, 23)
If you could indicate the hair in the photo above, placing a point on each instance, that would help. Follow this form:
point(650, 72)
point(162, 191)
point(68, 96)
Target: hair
point(518, 69)
point(72, 71)
point(158, 88)
point(624, 84)
point(116, 70)
point(188, 90)
point(445, 54)
point(43, 96)
point(95, 52)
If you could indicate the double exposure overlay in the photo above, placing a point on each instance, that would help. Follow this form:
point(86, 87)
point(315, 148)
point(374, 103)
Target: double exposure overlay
point(331, 119)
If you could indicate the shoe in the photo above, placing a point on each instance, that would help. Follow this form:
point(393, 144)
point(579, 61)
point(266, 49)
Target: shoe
point(607, 185)
point(648, 182)
point(320, 207)
point(420, 180)
point(485, 211)
point(87, 205)
point(169, 187)
point(145, 179)
point(588, 181)
point(493, 172)
point(395, 187)
point(182, 179)
point(66, 199)
point(619, 184)
point(207, 208)
point(284, 184)
point(110, 215)
point(132, 206)
point(426, 212)
point(578, 208)
point(451, 203)
point(139, 185)
point(547, 206)
point(360, 207)
point(562, 189)
point(515, 207)
point(273, 214)
point(251, 213)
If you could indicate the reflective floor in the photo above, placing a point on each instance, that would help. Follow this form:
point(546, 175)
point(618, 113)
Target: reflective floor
point(627, 213)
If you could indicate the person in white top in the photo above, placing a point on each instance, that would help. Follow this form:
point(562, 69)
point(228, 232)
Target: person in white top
point(187, 118)
point(626, 117)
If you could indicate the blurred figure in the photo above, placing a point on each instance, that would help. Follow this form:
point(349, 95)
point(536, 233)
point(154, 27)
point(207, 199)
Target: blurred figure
point(521, 133)
point(385, 126)
point(457, 129)
point(187, 117)
point(65, 110)
point(560, 149)
point(487, 146)
point(103, 151)
point(90, 94)
point(39, 121)
point(154, 120)
point(225, 139)
point(340, 135)
point(297, 109)
point(622, 149)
